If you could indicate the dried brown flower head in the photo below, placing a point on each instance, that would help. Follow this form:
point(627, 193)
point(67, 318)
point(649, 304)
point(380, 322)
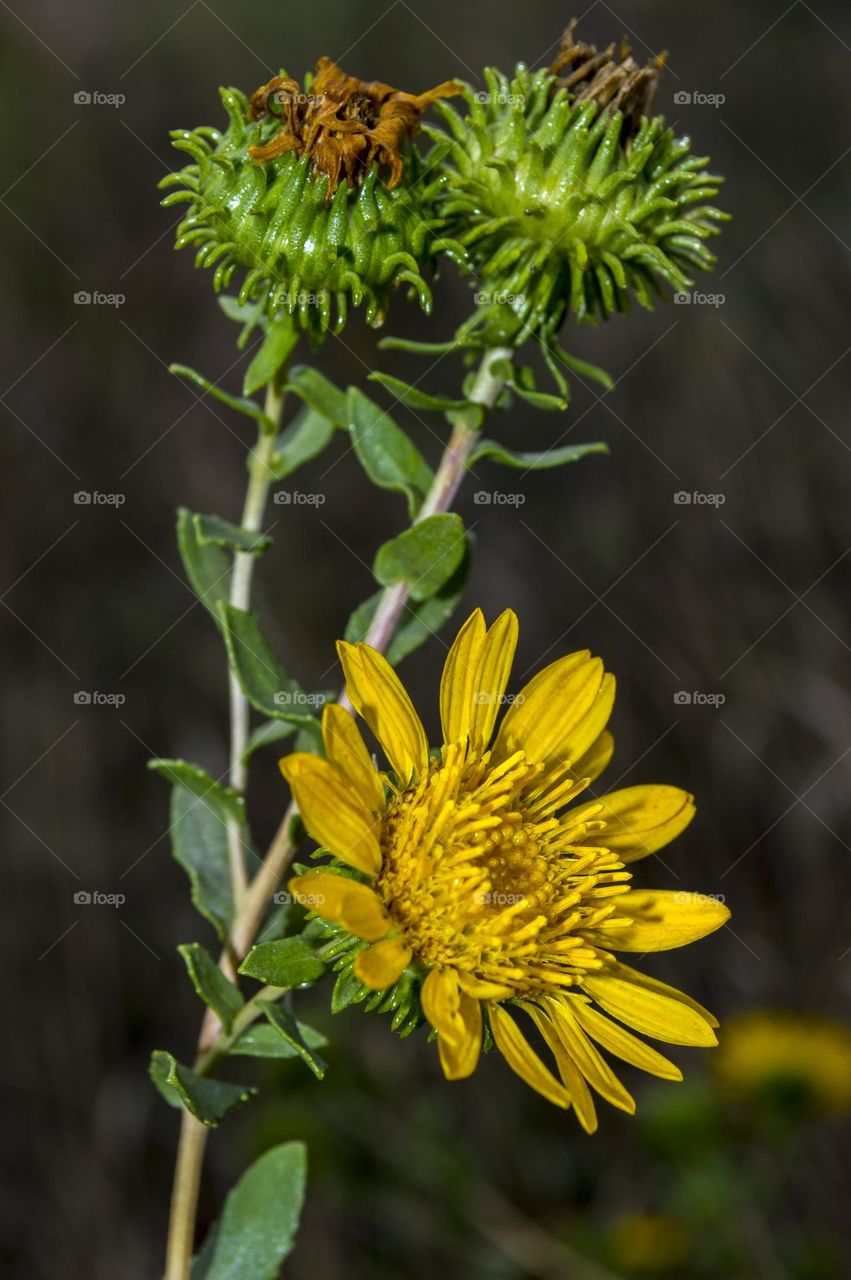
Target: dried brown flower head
point(345, 124)
point(612, 78)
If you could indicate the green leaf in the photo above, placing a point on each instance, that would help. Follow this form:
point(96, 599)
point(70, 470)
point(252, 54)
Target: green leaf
point(208, 568)
point(263, 1041)
point(261, 677)
point(347, 989)
point(286, 963)
point(266, 734)
point(214, 531)
point(320, 394)
point(210, 983)
point(422, 348)
point(208, 1100)
point(584, 369)
point(305, 437)
point(535, 461)
point(413, 397)
point(259, 1220)
point(424, 556)
point(288, 1029)
point(199, 843)
point(419, 620)
point(276, 348)
point(249, 408)
point(224, 800)
point(386, 454)
point(249, 315)
point(540, 399)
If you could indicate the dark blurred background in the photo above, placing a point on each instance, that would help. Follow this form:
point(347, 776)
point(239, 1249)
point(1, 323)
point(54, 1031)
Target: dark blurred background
point(744, 596)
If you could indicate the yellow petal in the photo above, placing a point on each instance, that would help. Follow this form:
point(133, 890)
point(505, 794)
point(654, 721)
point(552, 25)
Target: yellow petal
point(639, 979)
point(521, 1057)
point(459, 1058)
point(492, 677)
point(550, 708)
point(380, 965)
point(621, 1043)
point(656, 1014)
point(640, 820)
point(332, 810)
point(596, 758)
point(574, 1081)
point(377, 694)
point(458, 683)
point(346, 749)
point(346, 902)
point(594, 1068)
point(479, 989)
point(581, 738)
point(666, 918)
point(441, 1002)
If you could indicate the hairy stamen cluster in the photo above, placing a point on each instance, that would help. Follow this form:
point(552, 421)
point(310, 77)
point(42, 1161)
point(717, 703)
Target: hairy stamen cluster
point(480, 875)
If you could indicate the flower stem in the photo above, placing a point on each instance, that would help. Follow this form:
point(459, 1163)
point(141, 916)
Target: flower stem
point(444, 489)
point(240, 597)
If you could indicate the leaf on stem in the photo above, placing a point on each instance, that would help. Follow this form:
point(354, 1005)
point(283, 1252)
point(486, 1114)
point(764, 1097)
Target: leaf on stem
point(217, 992)
point(263, 1041)
point(224, 800)
point(208, 567)
point(199, 842)
point(240, 404)
point(215, 531)
point(288, 1029)
point(319, 394)
point(261, 677)
point(279, 342)
point(208, 1100)
point(424, 556)
point(304, 438)
point(542, 461)
point(386, 454)
point(285, 963)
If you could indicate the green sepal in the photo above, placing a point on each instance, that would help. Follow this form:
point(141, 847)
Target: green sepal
point(217, 992)
point(288, 1029)
point(207, 1100)
point(318, 393)
point(261, 1214)
point(278, 344)
point(240, 404)
point(286, 963)
point(413, 397)
point(262, 1041)
point(305, 437)
point(224, 800)
point(424, 556)
point(261, 676)
point(215, 531)
point(386, 454)
point(542, 461)
point(208, 567)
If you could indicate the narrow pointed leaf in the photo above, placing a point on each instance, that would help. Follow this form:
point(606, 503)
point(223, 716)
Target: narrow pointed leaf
point(210, 983)
point(208, 1100)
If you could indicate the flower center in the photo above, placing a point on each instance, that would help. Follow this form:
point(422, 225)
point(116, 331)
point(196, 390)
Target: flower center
point(480, 873)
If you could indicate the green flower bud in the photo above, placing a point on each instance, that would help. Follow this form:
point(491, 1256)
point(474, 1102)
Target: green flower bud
point(266, 196)
point(568, 197)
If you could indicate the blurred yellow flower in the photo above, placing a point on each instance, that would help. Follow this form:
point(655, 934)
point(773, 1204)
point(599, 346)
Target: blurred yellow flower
point(472, 875)
point(767, 1049)
point(649, 1242)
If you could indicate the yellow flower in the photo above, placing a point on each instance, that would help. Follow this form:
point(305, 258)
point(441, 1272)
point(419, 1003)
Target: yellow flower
point(470, 874)
point(766, 1049)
